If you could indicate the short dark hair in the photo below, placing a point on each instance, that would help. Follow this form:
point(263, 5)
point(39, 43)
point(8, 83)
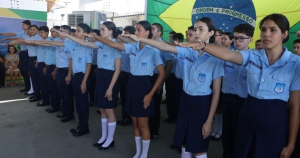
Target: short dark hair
point(191, 28)
point(296, 41)
point(159, 27)
point(147, 26)
point(178, 36)
point(229, 34)
point(85, 28)
point(96, 31)
point(66, 27)
point(210, 24)
point(130, 29)
point(220, 31)
point(172, 32)
point(27, 22)
point(73, 30)
point(246, 29)
point(34, 26)
point(258, 40)
point(111, 26)
point(44, 28)
point(15, 48)
point(281, 21)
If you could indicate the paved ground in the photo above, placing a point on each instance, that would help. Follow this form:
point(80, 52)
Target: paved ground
point(27, 131)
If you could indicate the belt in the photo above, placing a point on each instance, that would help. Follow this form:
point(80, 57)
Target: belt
point(50, 65)
point(78, 74)
point(41, 62)
point(63, 68)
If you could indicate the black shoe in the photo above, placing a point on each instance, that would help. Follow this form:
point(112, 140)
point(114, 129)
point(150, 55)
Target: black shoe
point(169, 120)
point(153, 136)
point(60, 116)
point(30, 97)
point(42, 104)
point(112, 144)
point(34, 99)
point(73, 130)
point(121, 120)
point(97, 145)
point(67, 119)
point(24, 90)
point(52, 110)
point(29, 93)
point(80, 132)
point(126, 122)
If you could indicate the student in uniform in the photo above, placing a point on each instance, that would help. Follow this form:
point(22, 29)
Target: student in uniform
point(93, 72)
point(123, 80)
point(23, 66)
point(234, 88)
point(154, 121)
point(296, 45)
point(73, 32)
point(81, 65)
point(258, 45)
point(139, 102)
point(197, 107)
point(267, 127)
point(62, 73)
point(218, 37)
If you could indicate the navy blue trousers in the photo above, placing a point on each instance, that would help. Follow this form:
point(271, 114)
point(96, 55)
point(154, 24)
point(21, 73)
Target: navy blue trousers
point(262, 129)
point(172, 109)
point(34, 76)
point(154, 121)
point(43, 83)
point(92, 87)
point(23, 66)
point(81, 100)
point(231, 106)
point(53, 91)
point(123, 82)
point(65, 92)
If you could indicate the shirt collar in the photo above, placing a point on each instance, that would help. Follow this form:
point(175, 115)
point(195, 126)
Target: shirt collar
point(286, 57)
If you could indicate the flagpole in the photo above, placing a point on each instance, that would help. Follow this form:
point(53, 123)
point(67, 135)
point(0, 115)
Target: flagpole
point(146, 9)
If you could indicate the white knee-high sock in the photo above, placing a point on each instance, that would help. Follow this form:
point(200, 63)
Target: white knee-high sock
point(104, 130)
point(110, 135)
point(185, 154)
point(202, 156)
point(138, 144)
point(219, 118)
point(31, 87)
point(146, 144)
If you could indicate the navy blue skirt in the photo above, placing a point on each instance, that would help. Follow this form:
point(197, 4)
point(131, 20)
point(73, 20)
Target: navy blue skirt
point(193, 112)
point(103, 80)
point(138, 88)
point(262, 129)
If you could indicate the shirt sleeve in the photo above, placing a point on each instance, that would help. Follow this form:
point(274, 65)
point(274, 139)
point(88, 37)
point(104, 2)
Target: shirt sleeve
point(218, 69)
point(157, 58)
point(246, 56)
point(89, 55)
point(117, 54)
point(167, 56)
point(18, 34)
point(181, 52)
point(69, 55)
point(128, 48)
point(68, 46)
point(295, 83)
point(99, 44)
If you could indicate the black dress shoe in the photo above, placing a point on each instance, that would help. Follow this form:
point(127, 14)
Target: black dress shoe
point(30, 97)
point(98, 144)
point(52, 110)
point(121, 120)
point(42, 104)
point(112, 144)
point(60, 116)
point(67, 119)
point(29, 93)
point(24, 90)
point(80, 132)
point(73, 130)
point(126, 122)
point(35, 99)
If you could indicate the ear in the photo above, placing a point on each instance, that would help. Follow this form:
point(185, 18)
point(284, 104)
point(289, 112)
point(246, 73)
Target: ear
point(211, 33)
point(250, 40)
point(285, 34)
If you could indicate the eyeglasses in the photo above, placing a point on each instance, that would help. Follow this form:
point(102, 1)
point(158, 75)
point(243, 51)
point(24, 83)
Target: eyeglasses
point(240, 39)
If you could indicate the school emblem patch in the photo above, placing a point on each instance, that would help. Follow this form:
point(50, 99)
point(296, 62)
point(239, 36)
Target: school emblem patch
point(244, 80)
point(279, 88)
point(201, 77)
point(79, 60)
point(104, 57)
point(144, 65)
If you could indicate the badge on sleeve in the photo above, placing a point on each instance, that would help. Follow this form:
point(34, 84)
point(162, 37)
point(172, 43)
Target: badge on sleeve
point(279, 87)
point(201, 77)
point(104, 57)
point(144, 65)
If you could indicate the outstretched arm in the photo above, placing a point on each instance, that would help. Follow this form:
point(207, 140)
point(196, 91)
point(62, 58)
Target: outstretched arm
point(8, 34)
point(107, 42)
point(217, 51)
point(79, 41)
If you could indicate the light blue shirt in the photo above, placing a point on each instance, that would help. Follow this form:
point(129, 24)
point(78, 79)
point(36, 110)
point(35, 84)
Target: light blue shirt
point(32, 49)
point(178, 66)
point(107, 56)
point(41, 52)
point(199, 72)
point(81, 55)
point(271, 81)
point(125, 65)
point(94, 58)
point(50, 53)
point(165, 56)
point(142, 62)
point(62, 56)
point(228, 80)
point(24, 35)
